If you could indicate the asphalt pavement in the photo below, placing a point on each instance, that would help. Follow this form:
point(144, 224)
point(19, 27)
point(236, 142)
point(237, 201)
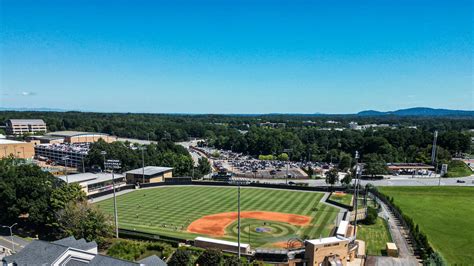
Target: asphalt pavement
point(388, 181)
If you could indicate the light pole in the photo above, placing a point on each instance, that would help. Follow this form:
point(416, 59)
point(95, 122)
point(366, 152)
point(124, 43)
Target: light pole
point(65, 158)
point(288, 151)
point(356, 192)
point(103, 153)
point(143, 164)
point(11, 235)
point(114, 164)
point(238, 217)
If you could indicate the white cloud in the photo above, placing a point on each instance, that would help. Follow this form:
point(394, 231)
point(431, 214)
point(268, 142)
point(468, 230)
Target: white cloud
point(27, 93)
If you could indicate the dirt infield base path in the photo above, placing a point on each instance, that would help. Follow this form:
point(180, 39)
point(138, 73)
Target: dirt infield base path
point(215, 224)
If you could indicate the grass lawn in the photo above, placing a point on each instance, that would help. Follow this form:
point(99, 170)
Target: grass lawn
point(458, 169)
point(342, 198)
point(176, 207)
point(375, 236)
point(444, 214)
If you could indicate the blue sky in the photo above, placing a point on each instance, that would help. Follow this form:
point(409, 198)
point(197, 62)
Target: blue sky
point(236, 56)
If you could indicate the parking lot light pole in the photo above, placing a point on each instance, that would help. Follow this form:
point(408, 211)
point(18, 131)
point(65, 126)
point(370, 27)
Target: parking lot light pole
point(11, 235)
point(288, 151)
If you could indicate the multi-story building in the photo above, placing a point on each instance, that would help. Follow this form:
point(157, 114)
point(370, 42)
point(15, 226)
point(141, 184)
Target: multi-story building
point(18, 149)
point(24, 126)
point(68, 154)
point(81, 137)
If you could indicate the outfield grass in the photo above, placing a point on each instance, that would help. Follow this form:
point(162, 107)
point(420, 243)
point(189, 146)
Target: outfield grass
point(345, 199)
point(375, 236)
point(169, 210)
point(444, 214)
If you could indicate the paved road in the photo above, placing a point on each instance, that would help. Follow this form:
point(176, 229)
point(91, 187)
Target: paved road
point(393, 181)
point(19, 243)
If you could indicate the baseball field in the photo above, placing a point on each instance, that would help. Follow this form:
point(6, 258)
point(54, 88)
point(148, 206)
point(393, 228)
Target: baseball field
point(269, 217)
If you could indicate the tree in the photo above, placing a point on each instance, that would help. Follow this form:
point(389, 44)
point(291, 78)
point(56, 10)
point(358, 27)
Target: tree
point(25, 190)
point(180, 258)
point(83, 220)
point(435, 259)
point(64, 194)
point(204, 167)
point(232, 261)
point(371, 217)
point(374, 165)
point(345, 162)
point(283, 157)
point(347, 179)
point(332, 176)
point(210, 257)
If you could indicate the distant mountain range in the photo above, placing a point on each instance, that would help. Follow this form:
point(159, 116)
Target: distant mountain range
point(418, 111)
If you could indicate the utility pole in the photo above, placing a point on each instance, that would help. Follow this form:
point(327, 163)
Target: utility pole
point(11, 235)
point(114, 164)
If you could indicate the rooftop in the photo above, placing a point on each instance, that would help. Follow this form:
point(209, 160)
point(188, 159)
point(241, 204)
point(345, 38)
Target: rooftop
point(327, 240)
point(26, 121)
point(74, 133)
point(342, 229)
point(89, 178)
point(69, 251)
point(150, 170)
point(223, 242)
point(9, 141)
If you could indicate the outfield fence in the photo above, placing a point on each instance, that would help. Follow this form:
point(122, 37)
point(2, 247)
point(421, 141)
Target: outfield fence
point(226, 184)
point(133, 234)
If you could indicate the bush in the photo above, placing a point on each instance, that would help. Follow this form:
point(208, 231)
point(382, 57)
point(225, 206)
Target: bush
point(210, 257)
point(435, 259)
point(371, 216)
point(133, 250)
point(127, 250)
point(181, 258)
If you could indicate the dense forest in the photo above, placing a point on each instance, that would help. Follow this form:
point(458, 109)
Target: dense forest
point(308, 141)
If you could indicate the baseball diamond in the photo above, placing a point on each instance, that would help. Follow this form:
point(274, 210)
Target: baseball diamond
point(172, 211)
